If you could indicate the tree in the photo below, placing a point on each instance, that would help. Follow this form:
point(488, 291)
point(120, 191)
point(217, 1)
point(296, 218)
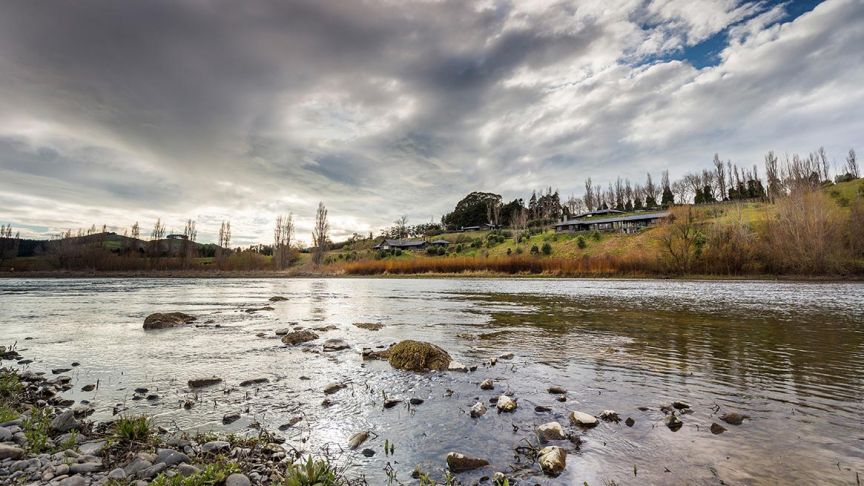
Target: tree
point(8, 243)
point(590, 200)
point(155, 236)
point(224, 243)
point(651, 193)
point(772, 173)
point(852, 165)
point(190, 234)
point(283, 237)
point(471, 210)
point(681, 239)
point(320, 234)
point(720, 177)
point(518, 222)
point(667, 199)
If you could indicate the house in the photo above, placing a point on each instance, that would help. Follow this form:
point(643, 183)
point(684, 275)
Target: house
point(599, 212)
point(624, 224)
point(400, 245)
point(177, 237)
point(439, 243)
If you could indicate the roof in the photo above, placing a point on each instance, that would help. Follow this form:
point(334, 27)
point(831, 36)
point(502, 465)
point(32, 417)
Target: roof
point(598, 212)
point(402, 243)
point(440, 242)
point(634, 217)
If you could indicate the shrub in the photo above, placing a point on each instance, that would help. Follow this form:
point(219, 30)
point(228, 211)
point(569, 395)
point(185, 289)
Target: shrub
point(519, 250)
point(431, 251)
point(10, 388)
point(442, 251)
point(312, 473)
point(459, 248)
point(397, 252)
point(132, 429)
point(509, 251)
point(210, 475)
point(547, 249)
point(36, 430)
point(381, 254)
point(581, 243)
point(535, 250)
point(596, 235)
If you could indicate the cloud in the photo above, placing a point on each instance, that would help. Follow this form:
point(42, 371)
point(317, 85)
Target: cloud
point(116, 112)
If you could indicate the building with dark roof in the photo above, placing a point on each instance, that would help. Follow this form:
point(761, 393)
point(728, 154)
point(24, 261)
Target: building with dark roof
point(625, 224)
point(401, 245)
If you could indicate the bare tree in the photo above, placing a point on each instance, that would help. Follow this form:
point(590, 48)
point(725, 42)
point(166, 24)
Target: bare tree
point(720, 177)
point(772, 174)
point(852, 164)
point(283, 238)
point(519, 222)
point(224, 243)
point(590, 201)
point(320, 234)
point(493, 212)
point(574, 205)
point(190, 234)
point(681, 239)
point(156, 235)
point(8, 243)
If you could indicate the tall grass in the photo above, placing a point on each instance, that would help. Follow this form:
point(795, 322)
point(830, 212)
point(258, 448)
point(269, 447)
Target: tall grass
point(512, 265)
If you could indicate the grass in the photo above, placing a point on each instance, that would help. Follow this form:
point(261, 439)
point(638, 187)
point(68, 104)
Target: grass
point(133, 429)
point(312, 473)
point(210, 475)
point(36, 430)
point(10, 388)
point(7, 413)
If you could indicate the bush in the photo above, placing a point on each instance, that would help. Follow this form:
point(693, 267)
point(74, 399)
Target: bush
point(132, 429)
point(581, 243)
point(36, 430)
point(547, 249)
point(397, 252)
point(442, 251)
point(459, 248)
point(212, 474)
point(382, 254)
point(312, 473)
point(596, 235)
point(509, 251)
point(535, 250)
point(519, 250)
point(431, 251)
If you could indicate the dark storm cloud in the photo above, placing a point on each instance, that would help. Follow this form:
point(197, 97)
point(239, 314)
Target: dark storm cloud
point(241, 110)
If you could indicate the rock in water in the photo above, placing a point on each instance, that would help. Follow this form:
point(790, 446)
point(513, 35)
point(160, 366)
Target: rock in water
point(277, 298)
point(204, 382)
point(505, 404)
point(550, 431)
point(478, 410)
point(333, 388)
point(391, 402)
point(553, 460)
point(680, 405)
point(230, 418)
point(370, 326)
point(673, 422)
point(457, 462)
point(733, 418)
point(418, 356)
point(298, 337)
point(335, 345)
point(254, 381)
point(717, 428)
point(487, 384)
point(629, 422)
point(557, 390)
point(167, 320)
point(457, 366)
point(583, 419)
point(358, 439)
point(610, 416)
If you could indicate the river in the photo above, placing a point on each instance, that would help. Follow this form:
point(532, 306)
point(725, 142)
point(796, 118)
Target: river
point(788, 355)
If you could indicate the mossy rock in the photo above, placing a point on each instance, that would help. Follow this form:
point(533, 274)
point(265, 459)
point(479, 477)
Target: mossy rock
point(417, 356)
point(167, 320)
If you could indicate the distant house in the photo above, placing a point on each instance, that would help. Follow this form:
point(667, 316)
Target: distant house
point(177, 237)
point(624, 224)
point(482, 227)
point(599, 212)
point(439, 243)
point(400, 245)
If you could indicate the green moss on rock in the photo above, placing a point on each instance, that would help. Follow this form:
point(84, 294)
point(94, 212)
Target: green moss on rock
point(418, 356)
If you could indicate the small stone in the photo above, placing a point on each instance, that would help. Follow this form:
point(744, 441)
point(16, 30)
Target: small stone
point(5, 435)
point(391, 402)
point(136, 466)
point(64, 422)
point(358, 439)
point(478, 410)
point(487, 384)
point(458, 462)
point(152, 471)
point(717, 428)
point(457, 367)
point(542, 409)
point(88, 388)
point(117, 475)
point(553, 460)
point(506, 356)
point(333, 388)
point(10, 452)
point(92, 448)
point(368, 452)
point(277, 298)
point(61, 470)
point(335, 345)
point(673, 422)
point(187, 470)
point(254, 381)
point(629, 422)
point(75, 480)
point(215, 446)
point(557, 390)
point(170, 457)
point(298, 337)
point(237, 480)
point(550, 431)
point(610, 416)
point(167, 320)
point(370, 326)
point(230, 418)
point(680, 405)
point(416, 401)
point(87, 467)
point(204, 382)
point(505, 404)
point(583, 419)
point(733, 418)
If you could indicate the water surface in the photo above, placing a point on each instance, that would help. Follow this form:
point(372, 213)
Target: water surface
point(789, 355)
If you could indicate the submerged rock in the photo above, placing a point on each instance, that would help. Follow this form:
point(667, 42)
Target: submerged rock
point(629, 422)
point(458, 462)
point(335, 345)
point(358, 439)
point(583, 419)
point(478, 410)
point(418, 356)
point(733, 418)
point(204, 382)
point(254, 381)
point(557, 390)
point(673, 422)
point(717, 428)
point(416, 401)
point(277, 298)
point(550, 431)
point(230, 418)
point(257, 309)
point(553, 460)
point(487, 384)
point(333, 388)
point(391, 402)
point(369, 326)
point(610, 416)
point(298, 337)
point(167, 320)
point(680, 405)
point(505, 404)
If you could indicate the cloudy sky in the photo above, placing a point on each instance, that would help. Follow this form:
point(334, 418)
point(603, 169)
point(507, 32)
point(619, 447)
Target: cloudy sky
point(112, 112)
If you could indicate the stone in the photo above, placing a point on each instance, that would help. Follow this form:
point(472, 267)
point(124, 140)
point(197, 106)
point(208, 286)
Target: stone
point(553, 460)
point(254, 381)
point(5, 435)
point(478, 410)
point(204, 382)
point(237, 480)
point(291, 423)
point(368, 452)
point(277, 298)
point(487, 384)
point(417, 356)
point(583, 419)
point(93, 447)
point(717, 428)
point(629, 422)
point(170, 457)
point(542, 409)
point(61, 470)
point(505, 404)
point(76, 480)
point(87, 467)
point(64, 422)
point(370, 326)
point(358, 439)
point(457, 366)
point(186, 470)
point(117, 475)
point(215, 446)
point(458, 462)
point(557, 390)
point(680, 405)
point(416, 401)
point(152, 471)
point(297, 337)
point(88, 388)
point(10, 452)
point(335, 345)
point(136, 466)
point(673, 422)
point(391, 402)
point(333, 388)
point(550, 431)
point(733, 418)
point(506, 356)
point(167, 320)
point(610, 416)
point(230, 418)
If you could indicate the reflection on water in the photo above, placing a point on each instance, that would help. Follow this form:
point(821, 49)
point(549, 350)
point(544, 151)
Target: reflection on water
point(789, 355)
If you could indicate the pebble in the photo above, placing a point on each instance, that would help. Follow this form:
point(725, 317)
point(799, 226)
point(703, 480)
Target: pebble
point(487, 384)
point(478, 410)
point(118, 474)
point(215, 446)
point(187, 470)
point(237, 480)
point(10, 452)
point(75, 480)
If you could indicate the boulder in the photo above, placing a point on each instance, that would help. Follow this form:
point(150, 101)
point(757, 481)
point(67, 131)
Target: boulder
point(297, 337)
point(505, 404)
point(733, 418)
point(370, 326)
point(550, 431)
point(478, 410)
point(335, 345)
point(167, 320)
point(583, 419)
point(204, 382)
point(553, 460)
point(458, 462)
point(418, 356)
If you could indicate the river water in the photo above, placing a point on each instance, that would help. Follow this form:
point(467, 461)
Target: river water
point(788, 355)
